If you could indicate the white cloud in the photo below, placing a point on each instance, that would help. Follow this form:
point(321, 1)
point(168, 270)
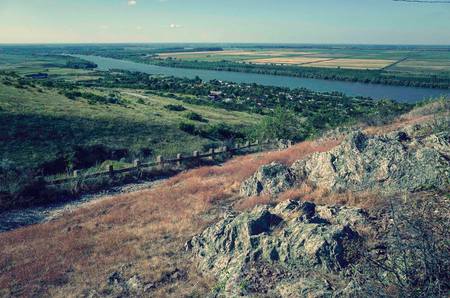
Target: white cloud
point(132, 2)
point(174, 26)
point(139, 28)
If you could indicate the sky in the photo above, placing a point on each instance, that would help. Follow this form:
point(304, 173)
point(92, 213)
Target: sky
point(253, 21)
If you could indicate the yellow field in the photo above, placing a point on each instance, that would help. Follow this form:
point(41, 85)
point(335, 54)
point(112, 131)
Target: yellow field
point(282, 57)
point(236, 53)
point(288, 60)
point(354, 63)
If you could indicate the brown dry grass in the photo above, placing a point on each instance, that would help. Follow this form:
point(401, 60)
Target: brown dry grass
point(288, 60)
point(235, 53)
point(433, 112)
point(354, 63)
point(145, 230)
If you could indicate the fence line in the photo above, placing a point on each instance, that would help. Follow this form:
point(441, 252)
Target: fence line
point(160, 162)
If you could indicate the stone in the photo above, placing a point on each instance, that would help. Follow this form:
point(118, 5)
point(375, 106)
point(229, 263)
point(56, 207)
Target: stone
point(291, 234)
point(269, 179)
point(403, 160)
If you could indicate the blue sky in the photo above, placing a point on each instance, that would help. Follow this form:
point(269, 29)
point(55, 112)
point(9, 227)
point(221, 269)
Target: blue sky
point(284, 21)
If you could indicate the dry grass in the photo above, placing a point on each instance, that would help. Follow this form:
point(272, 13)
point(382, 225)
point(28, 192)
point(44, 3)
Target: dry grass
point(433, 112)
point(354, 63)
point(288, 60)
point(234, 53)
point(145, 230)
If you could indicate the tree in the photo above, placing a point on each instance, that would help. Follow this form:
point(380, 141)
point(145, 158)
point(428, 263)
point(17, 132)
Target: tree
point(283, 124)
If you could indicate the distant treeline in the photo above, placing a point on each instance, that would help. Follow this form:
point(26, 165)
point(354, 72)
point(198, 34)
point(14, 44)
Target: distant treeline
point(336, 74)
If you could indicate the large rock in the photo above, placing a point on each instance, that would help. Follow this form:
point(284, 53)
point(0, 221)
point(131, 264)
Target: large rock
point(269, 179)
point(393, 162)
point(408, 160)
point(290, 235)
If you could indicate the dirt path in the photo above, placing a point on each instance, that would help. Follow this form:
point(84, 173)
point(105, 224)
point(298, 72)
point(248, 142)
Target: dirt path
point(14, 219)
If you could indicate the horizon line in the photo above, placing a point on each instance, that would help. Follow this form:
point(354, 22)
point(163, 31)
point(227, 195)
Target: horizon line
point(219, 42)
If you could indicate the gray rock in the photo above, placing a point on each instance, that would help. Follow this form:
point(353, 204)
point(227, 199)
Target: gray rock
point(292, 235)
point(412, 159)
point(119, 286)
point(305, 287)
point(269, 179)
point(393, 162)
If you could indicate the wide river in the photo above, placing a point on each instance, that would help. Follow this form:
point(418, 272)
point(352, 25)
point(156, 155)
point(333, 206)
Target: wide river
point(397, 93)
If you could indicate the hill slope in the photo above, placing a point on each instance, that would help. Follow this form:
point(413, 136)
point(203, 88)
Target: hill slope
point(135, 244)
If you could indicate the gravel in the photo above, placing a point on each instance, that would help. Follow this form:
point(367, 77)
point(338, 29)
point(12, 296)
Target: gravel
point(14, 219)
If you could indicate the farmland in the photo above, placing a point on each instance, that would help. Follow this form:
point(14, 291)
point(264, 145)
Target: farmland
point(414, 61)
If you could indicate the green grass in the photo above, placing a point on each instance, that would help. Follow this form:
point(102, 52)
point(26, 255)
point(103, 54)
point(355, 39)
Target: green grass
point(37, 126)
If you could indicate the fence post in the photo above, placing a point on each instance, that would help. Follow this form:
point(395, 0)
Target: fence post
point(256, 143)
point(289, 143)
point(211, 152)
point(111, 170)
point(76, 173)
point(179, 159)
point(160, 161)
point(196, 155)
point(136, 163)
point(247, 144)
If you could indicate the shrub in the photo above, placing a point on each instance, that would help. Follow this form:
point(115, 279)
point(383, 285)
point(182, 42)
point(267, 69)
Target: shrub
point(222, 131)
point(19, 187)
point(176, 108)
point(188, 128)
point(283, 124)
point(72, 94)
point(417, 258)
point(195, 117)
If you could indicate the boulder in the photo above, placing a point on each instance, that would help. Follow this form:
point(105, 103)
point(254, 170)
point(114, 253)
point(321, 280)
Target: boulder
point(393, 162)
point(291, 235)
point(269, 179)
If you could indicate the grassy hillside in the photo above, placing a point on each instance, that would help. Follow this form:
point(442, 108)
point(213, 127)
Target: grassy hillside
point(37, 124)
point(142, 234)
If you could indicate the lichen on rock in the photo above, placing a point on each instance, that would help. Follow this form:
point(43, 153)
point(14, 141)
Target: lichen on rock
point(269, 179)
point(291, 234)
point(393, 162)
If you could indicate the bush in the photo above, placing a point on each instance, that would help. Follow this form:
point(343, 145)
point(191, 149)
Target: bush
point(19, 187)
point(416, 262)
point(222, 132)
point(176, 108)
point(195, 117)
point(188, 128)
point(283, 124)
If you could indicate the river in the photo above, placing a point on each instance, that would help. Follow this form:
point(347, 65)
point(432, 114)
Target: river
point(397, 93)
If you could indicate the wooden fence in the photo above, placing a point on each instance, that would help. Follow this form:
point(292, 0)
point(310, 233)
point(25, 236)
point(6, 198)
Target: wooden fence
point(161, 162)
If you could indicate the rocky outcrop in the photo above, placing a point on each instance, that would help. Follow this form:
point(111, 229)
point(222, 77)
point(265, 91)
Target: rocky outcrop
point(269, 179)
point(394, 162)
point(280, 243)
point(400, 161)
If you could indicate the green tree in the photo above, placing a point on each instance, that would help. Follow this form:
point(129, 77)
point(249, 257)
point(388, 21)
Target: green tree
point(283, 124)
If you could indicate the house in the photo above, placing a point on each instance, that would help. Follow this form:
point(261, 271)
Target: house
point(215, 95)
